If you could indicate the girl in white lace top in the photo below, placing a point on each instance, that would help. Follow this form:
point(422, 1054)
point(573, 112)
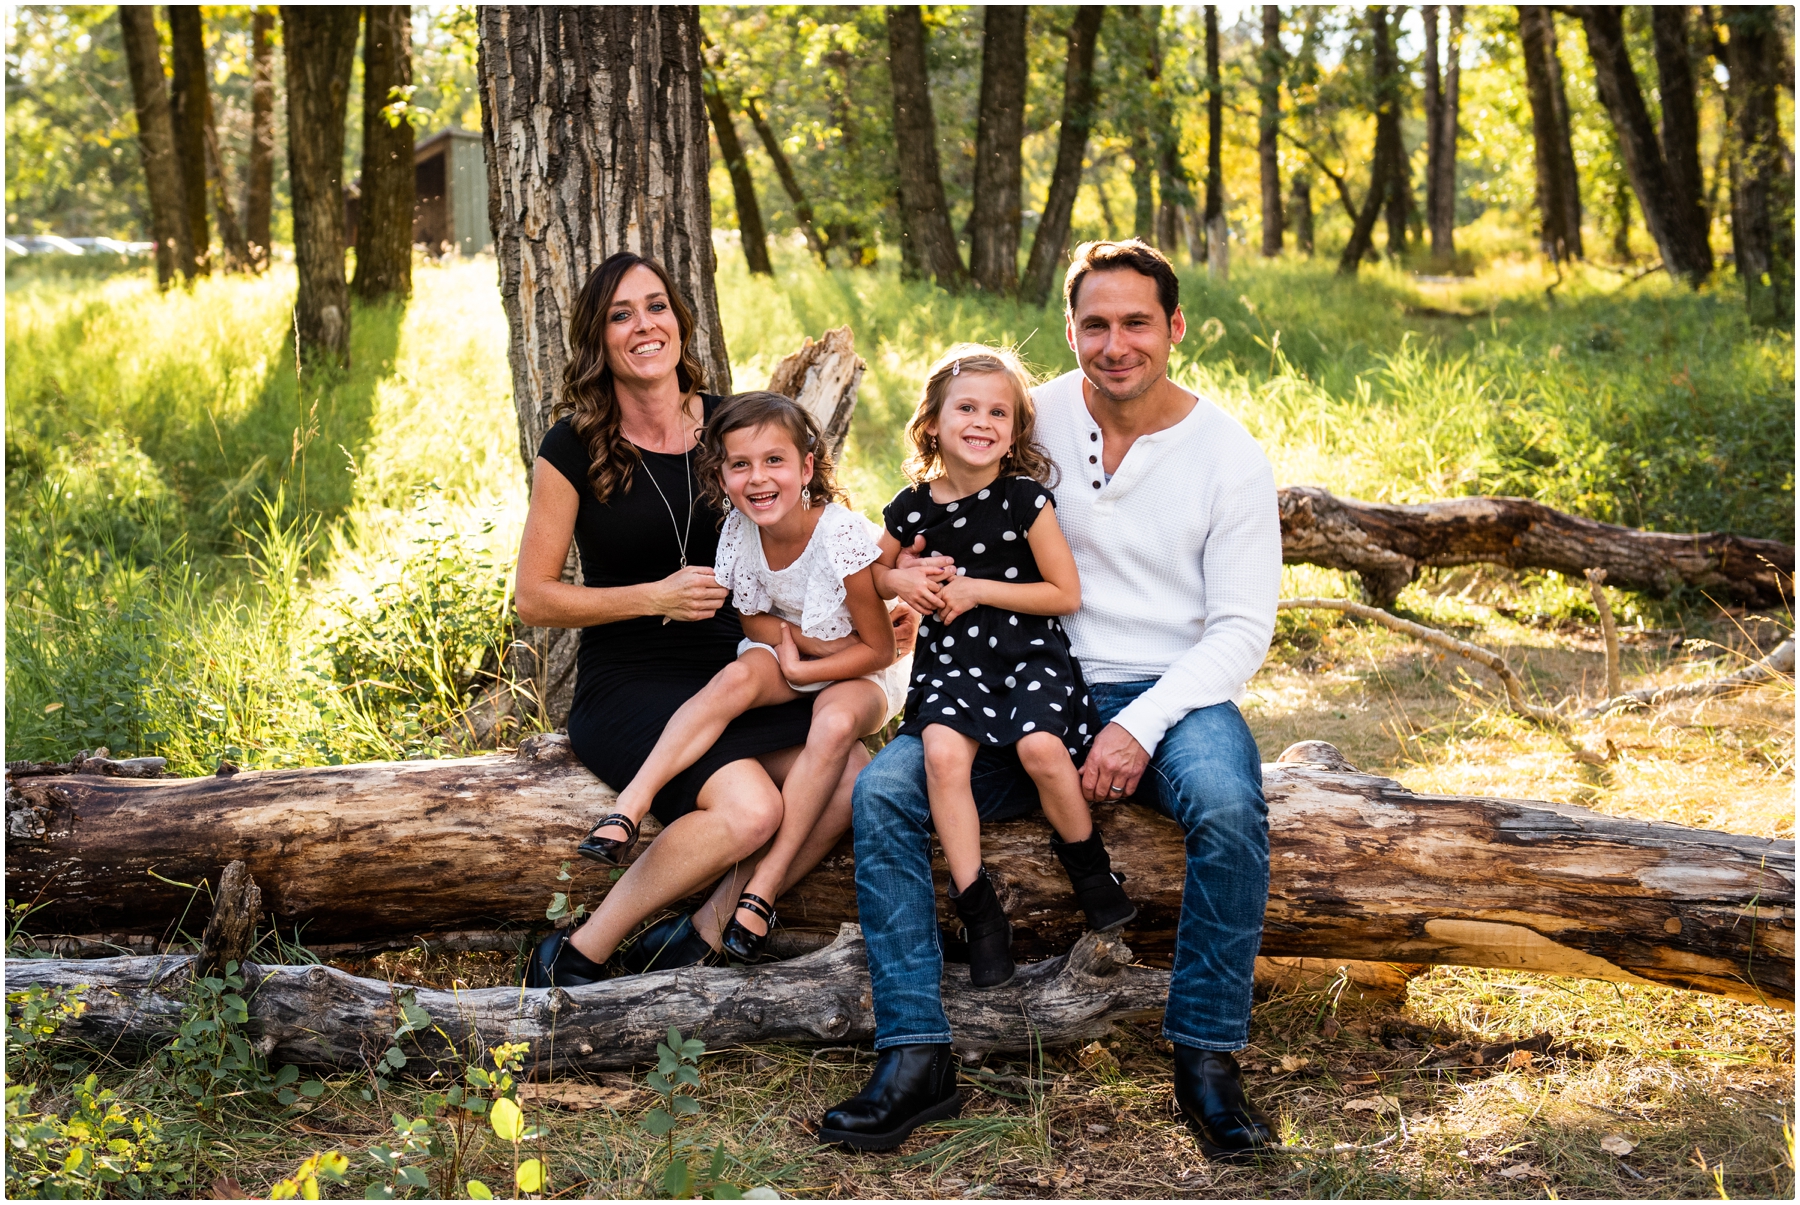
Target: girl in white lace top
point(762, 460)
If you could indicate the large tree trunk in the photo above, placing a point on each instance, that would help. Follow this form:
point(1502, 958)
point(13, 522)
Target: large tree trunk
point(1384, 84)
point(322, 1017)
point(1762, 168)
point(190, 113)
point(319, 45)
point(1360, 867)
point(156, 142)
point(1680, 238)
point(194, 120)
point(803, 210)
point(1052, 237)
point(1386, 544)
point(1558, 189)
point(995, 217)
point(259, 167)
point(1399, 206)
point(384, 220)
point(1217, 244)
point(743, 188)
point(588, 154)
point(1443, 87)
point(1268, 131)
point(924, 215)
point(1680, 114)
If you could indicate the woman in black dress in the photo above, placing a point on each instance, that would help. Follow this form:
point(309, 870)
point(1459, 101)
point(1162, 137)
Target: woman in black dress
point(617, 475)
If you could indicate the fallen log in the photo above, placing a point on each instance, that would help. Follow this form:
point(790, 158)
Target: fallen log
point(1386, 545)
point(1361, 868)
point(1779, 664)
point(319, 1016)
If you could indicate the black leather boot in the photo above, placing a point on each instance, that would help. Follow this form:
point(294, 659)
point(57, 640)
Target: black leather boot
point(911, 1086)
point(989, 932)
point(557, 963)
point(1096, 883)
point(1210, 1092)
point(668, 944)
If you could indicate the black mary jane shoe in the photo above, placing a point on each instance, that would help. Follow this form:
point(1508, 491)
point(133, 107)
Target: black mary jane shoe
point(607, 850)
point(1210, 1093)
point(911, 1085)
point(739, 942)
point(557, 963)
point(666, 945)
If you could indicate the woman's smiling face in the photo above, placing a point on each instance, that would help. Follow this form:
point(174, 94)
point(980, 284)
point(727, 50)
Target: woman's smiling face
point(643, 337)
point(763, 472)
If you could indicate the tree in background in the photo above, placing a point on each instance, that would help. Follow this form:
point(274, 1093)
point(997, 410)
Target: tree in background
point(1217, 253)
point(259, 161)
point(1553, 154)
point(995, 216)
point(1680, 115)
point(191, 113)
point(1762, 170)
point(156, 144)
point(1175, 194)
point(743, 188)
point(1052, 237)
point(1270, 63)
point(1300, 214)
point(1442, 98)
point(1384, 86)
point(319, 45)
point(927, 240)
point(384, 218)
point(790, 183)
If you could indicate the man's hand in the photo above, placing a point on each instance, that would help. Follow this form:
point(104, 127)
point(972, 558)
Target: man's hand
point(1113, 766)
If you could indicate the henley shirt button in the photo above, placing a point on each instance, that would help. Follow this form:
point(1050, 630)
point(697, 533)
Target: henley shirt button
point(1096, 485)
point(1093, 435)
point(1093, 460)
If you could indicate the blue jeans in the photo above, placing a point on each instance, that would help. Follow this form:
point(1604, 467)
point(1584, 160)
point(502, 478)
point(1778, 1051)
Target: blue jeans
point(1206, 775)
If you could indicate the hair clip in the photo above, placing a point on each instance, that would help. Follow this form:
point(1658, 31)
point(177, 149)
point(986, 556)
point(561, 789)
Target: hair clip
point(956, 368)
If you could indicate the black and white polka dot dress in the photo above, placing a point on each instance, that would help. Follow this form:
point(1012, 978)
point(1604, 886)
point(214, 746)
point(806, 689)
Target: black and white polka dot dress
point(992, 675)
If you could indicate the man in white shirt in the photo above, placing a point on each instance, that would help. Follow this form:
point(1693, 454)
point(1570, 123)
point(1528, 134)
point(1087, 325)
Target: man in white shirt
point(1170, 509)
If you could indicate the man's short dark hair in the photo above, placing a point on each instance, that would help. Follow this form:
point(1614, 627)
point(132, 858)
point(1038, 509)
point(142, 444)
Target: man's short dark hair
point(1106, 255)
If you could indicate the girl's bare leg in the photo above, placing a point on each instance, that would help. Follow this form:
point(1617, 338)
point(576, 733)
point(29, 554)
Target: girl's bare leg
point(843, 712)
point(753, 680)
point(1047, 760)
point(949, 757)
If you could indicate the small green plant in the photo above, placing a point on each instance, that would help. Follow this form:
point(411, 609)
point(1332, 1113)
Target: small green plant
point(426, 1158)
point(675, 1080)
point(304, 1183)
point(210, 1059)
point(33, 1017)
point(103, 1146)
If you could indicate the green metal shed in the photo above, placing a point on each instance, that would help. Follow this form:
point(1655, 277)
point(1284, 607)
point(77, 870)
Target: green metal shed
point(450, 174)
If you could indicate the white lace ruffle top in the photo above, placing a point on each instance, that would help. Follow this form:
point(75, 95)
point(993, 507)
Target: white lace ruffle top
point(809, 592)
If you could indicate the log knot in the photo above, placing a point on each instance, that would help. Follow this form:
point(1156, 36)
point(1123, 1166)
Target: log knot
point(1316, 755)
point(546, 749)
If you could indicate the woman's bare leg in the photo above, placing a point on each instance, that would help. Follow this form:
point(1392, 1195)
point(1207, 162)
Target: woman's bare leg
point(949, 758)
point(843, 712)
point(753, 680)
point(737, 812)
point(1047, 760)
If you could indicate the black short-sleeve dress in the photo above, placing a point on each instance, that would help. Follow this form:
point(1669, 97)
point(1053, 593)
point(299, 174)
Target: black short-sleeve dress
point(990, 674)
point(632, 675)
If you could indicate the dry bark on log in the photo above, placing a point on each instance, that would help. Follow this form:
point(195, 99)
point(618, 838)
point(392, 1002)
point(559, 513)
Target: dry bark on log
point(823, 377)
point(1361, 867)
point(1387, 544)
point(231, 930)
point(320, 1016)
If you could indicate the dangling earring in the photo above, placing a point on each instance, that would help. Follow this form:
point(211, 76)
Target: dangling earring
point(725, 506)
point(806, 498)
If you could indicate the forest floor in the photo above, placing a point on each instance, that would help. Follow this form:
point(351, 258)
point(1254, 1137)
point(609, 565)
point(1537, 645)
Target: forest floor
point(203, 556)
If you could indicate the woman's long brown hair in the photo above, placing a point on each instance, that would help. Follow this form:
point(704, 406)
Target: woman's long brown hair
point(587, 396)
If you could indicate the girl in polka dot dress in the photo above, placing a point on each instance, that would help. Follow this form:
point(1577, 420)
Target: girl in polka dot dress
point(993, 664)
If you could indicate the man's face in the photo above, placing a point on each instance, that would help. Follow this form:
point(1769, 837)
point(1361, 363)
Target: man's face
point(1120, 336)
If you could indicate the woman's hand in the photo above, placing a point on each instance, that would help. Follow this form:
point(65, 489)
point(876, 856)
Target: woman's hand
point(689, 594)
point(960, 595)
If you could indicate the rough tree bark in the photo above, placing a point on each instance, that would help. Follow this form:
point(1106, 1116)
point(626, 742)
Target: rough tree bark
point(190, 55)
point(1678, 236)
point(1762, 167)
point(319, 46)
point(259, 166)
point(1360, 867)
point(823, 377)
point(803, 210)
point(384, 220)
point(996, 215)
point(743, 188)
point(1384, 84)
point(587, 155)
point(1680, 113)
point(1386, 544)
point(1443, 87)
point(156, 142)
point(1270, 64)
point(1052, 237)
point(1558, 188)
point(1217, 245)
point(924, 215)
point(190, 111)
point(230, 931)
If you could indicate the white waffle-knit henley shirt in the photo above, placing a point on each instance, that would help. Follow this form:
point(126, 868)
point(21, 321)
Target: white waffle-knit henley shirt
point(1180, 556)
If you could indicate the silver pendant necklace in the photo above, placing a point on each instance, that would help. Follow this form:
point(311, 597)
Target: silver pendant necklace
point(681, 533)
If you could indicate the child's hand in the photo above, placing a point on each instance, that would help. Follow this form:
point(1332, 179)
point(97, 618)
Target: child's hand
point(959, 595)
point(937, 568)
point(788, 655)
point(917, 588)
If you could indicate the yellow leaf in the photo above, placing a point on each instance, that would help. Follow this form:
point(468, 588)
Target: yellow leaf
point(508, 1121)
point(530, 1176)
point(479, 1191)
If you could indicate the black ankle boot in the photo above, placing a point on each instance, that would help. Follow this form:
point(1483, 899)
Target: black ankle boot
point(668, 944)
point(557, 963)
point(1096, 883)
point(1210, 1092)
point(911, 1086)
point(989, 932)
